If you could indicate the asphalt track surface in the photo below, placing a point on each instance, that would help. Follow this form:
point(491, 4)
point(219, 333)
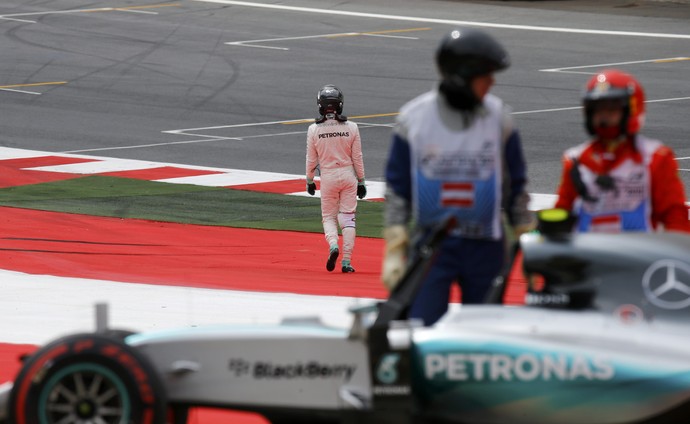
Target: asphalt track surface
point(230, 84)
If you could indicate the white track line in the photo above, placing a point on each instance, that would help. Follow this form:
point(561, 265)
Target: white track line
point(606, 65)
point(254, 43)
point(332, 12)
point(21, 91)
point(250, 43)
point(54, 12)
point(12, 16)
point(146, 12)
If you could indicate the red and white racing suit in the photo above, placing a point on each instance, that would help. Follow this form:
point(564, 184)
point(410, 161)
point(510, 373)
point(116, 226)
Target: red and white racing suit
point(336, 148)
point(633, 187)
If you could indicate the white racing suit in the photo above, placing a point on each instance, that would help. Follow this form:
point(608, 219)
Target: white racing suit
point(335, 148)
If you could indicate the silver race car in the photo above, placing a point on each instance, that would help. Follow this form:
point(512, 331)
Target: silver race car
point(603, 338)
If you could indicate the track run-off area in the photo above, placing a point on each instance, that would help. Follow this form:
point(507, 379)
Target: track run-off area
point(219, 93)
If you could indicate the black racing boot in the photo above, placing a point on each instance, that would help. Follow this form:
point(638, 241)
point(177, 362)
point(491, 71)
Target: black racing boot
point(332, 257)
point(347, 267)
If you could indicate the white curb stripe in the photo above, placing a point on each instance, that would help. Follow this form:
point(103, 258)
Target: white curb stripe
point(232, 177)
point(98, 167)
point(66, 305)
point(224, 177)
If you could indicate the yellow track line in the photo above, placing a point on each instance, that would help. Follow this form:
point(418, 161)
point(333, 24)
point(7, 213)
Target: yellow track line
point(304, 121)
point(675, 59)
point(35, 84)
point(152, 6)
point(379, 115)
point(111, 9)
point(390, 31)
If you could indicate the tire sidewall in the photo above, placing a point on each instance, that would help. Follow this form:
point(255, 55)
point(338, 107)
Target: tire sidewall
point(128, 369)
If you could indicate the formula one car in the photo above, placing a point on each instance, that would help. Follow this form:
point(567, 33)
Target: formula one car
point(603, 338)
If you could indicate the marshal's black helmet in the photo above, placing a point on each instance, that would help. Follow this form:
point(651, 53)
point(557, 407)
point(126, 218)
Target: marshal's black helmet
point(469, 52)
point(462, 55)
point(330, 100)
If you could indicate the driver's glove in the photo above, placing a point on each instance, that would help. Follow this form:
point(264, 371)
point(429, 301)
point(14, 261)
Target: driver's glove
point(311, 187)
point(361, 189)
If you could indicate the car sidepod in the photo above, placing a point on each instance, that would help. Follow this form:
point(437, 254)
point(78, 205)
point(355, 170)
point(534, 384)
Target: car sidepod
point(259, 368)
point(521, 365)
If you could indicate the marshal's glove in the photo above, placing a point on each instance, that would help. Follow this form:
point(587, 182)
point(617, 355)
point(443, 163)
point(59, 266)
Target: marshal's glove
point(395, 255)
point(361, 189)
point(311, 187)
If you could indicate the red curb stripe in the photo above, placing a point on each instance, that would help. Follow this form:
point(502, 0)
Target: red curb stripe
point(278, 187)
point(140, 251)
point(10, 177)
point(13, 172)
point(37, 161)
point(161, 173)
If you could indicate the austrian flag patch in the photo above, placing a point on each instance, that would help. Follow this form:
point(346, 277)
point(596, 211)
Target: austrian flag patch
point(606, 224)
point(459, 195)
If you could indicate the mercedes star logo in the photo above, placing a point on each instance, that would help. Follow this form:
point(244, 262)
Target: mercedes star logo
point(666, 284)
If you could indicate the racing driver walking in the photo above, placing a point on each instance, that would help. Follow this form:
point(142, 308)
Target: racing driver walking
point(334, 146)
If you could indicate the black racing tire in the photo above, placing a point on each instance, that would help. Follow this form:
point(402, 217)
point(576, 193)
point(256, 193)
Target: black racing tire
point(178, 414)
point(87, 378)
point(119, 333)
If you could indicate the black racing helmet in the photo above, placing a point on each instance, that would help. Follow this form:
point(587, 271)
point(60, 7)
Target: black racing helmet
point(330, 100)
point(462, 55)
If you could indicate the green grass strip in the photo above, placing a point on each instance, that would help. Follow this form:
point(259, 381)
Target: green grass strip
point(183, 203)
